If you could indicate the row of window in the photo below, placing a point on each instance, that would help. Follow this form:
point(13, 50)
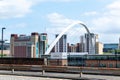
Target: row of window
point(104, 65)
point(104, 57)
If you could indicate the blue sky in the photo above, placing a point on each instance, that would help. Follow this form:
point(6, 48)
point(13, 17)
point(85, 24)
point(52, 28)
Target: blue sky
point(52, 16)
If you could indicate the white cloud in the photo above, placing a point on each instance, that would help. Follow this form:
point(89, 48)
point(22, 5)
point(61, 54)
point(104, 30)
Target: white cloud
point(57, 0)
point(92, 13)
point(19, 8)
point(114, 8)
point(114, 5)
point(59, 23)
point(59, 20)
point(15, 8)
point(108, 21)
point(107, 24)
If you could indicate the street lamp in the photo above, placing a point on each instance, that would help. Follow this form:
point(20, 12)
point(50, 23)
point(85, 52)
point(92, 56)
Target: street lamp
point(116, 57)
point(2, 42)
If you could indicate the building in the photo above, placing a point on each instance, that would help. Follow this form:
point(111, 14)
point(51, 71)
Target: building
point(6, 49)
point(110, 46)
point(82, 43)
point(88, 60)
point(24, 46)
point(119, 44)
point(73, 47)
point(99, 48)
point(6, 46)
point(58, 59)
point(78, 47)
point(32, 46)
point(76, 59)
point(85, 60)
point(43, 43)
point(68, 47)
point(88, 43)
point(61, 45)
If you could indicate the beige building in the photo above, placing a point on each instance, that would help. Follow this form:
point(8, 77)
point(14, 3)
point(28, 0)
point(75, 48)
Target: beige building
point(23, 46)
point(73, 48)
point(6, 53)
point(26, 46)
point(99, 48)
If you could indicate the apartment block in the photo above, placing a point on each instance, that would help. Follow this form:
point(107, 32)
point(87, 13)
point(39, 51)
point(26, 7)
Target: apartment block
point(61, 45)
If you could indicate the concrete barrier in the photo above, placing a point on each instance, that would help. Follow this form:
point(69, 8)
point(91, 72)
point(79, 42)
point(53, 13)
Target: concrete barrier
point(66, 69)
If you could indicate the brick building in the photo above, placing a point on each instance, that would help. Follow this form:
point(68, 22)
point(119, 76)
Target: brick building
point(27, 46)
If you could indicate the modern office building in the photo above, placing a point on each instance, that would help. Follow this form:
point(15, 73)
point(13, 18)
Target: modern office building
point(99, 48)
point(78, 47)
point(110, 46)
point(68, 47)
point(82, 43)
point(43, 43)
point(119, 44)
point(88, 43)
point(61, 45)
point(32, 46)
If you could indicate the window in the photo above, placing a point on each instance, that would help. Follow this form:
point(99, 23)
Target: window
point(43, 38)
point(111, 65)
point(118, 65)
point(102, 65)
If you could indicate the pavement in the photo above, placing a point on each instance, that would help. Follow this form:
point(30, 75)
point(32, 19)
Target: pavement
point(14, 77)
point(53, 76)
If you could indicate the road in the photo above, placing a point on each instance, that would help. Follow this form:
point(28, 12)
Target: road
point(27, 75)
point(13, 77)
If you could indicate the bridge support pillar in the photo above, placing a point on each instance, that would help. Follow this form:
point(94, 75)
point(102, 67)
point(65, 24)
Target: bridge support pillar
point(13, 71)
point(43, 72)
point(80, 74)
point(45, 61)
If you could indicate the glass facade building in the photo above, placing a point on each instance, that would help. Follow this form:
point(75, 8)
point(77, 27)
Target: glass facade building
point(43, 43)
point(110, 61)
point(108, 47)
point(61, 45)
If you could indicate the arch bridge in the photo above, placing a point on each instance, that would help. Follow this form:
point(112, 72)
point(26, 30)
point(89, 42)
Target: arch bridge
point(64, 31)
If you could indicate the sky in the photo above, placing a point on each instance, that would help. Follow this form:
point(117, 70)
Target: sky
point(53, 16)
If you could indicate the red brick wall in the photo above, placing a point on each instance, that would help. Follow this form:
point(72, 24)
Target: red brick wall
point(107, 63)
point(57, 62)
point(90, 63)
point(20, 51)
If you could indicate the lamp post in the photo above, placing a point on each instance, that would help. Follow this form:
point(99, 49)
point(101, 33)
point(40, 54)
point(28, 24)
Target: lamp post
point(2, 42)
point(116, 57)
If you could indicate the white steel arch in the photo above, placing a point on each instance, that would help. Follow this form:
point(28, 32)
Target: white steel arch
point(63, 32)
